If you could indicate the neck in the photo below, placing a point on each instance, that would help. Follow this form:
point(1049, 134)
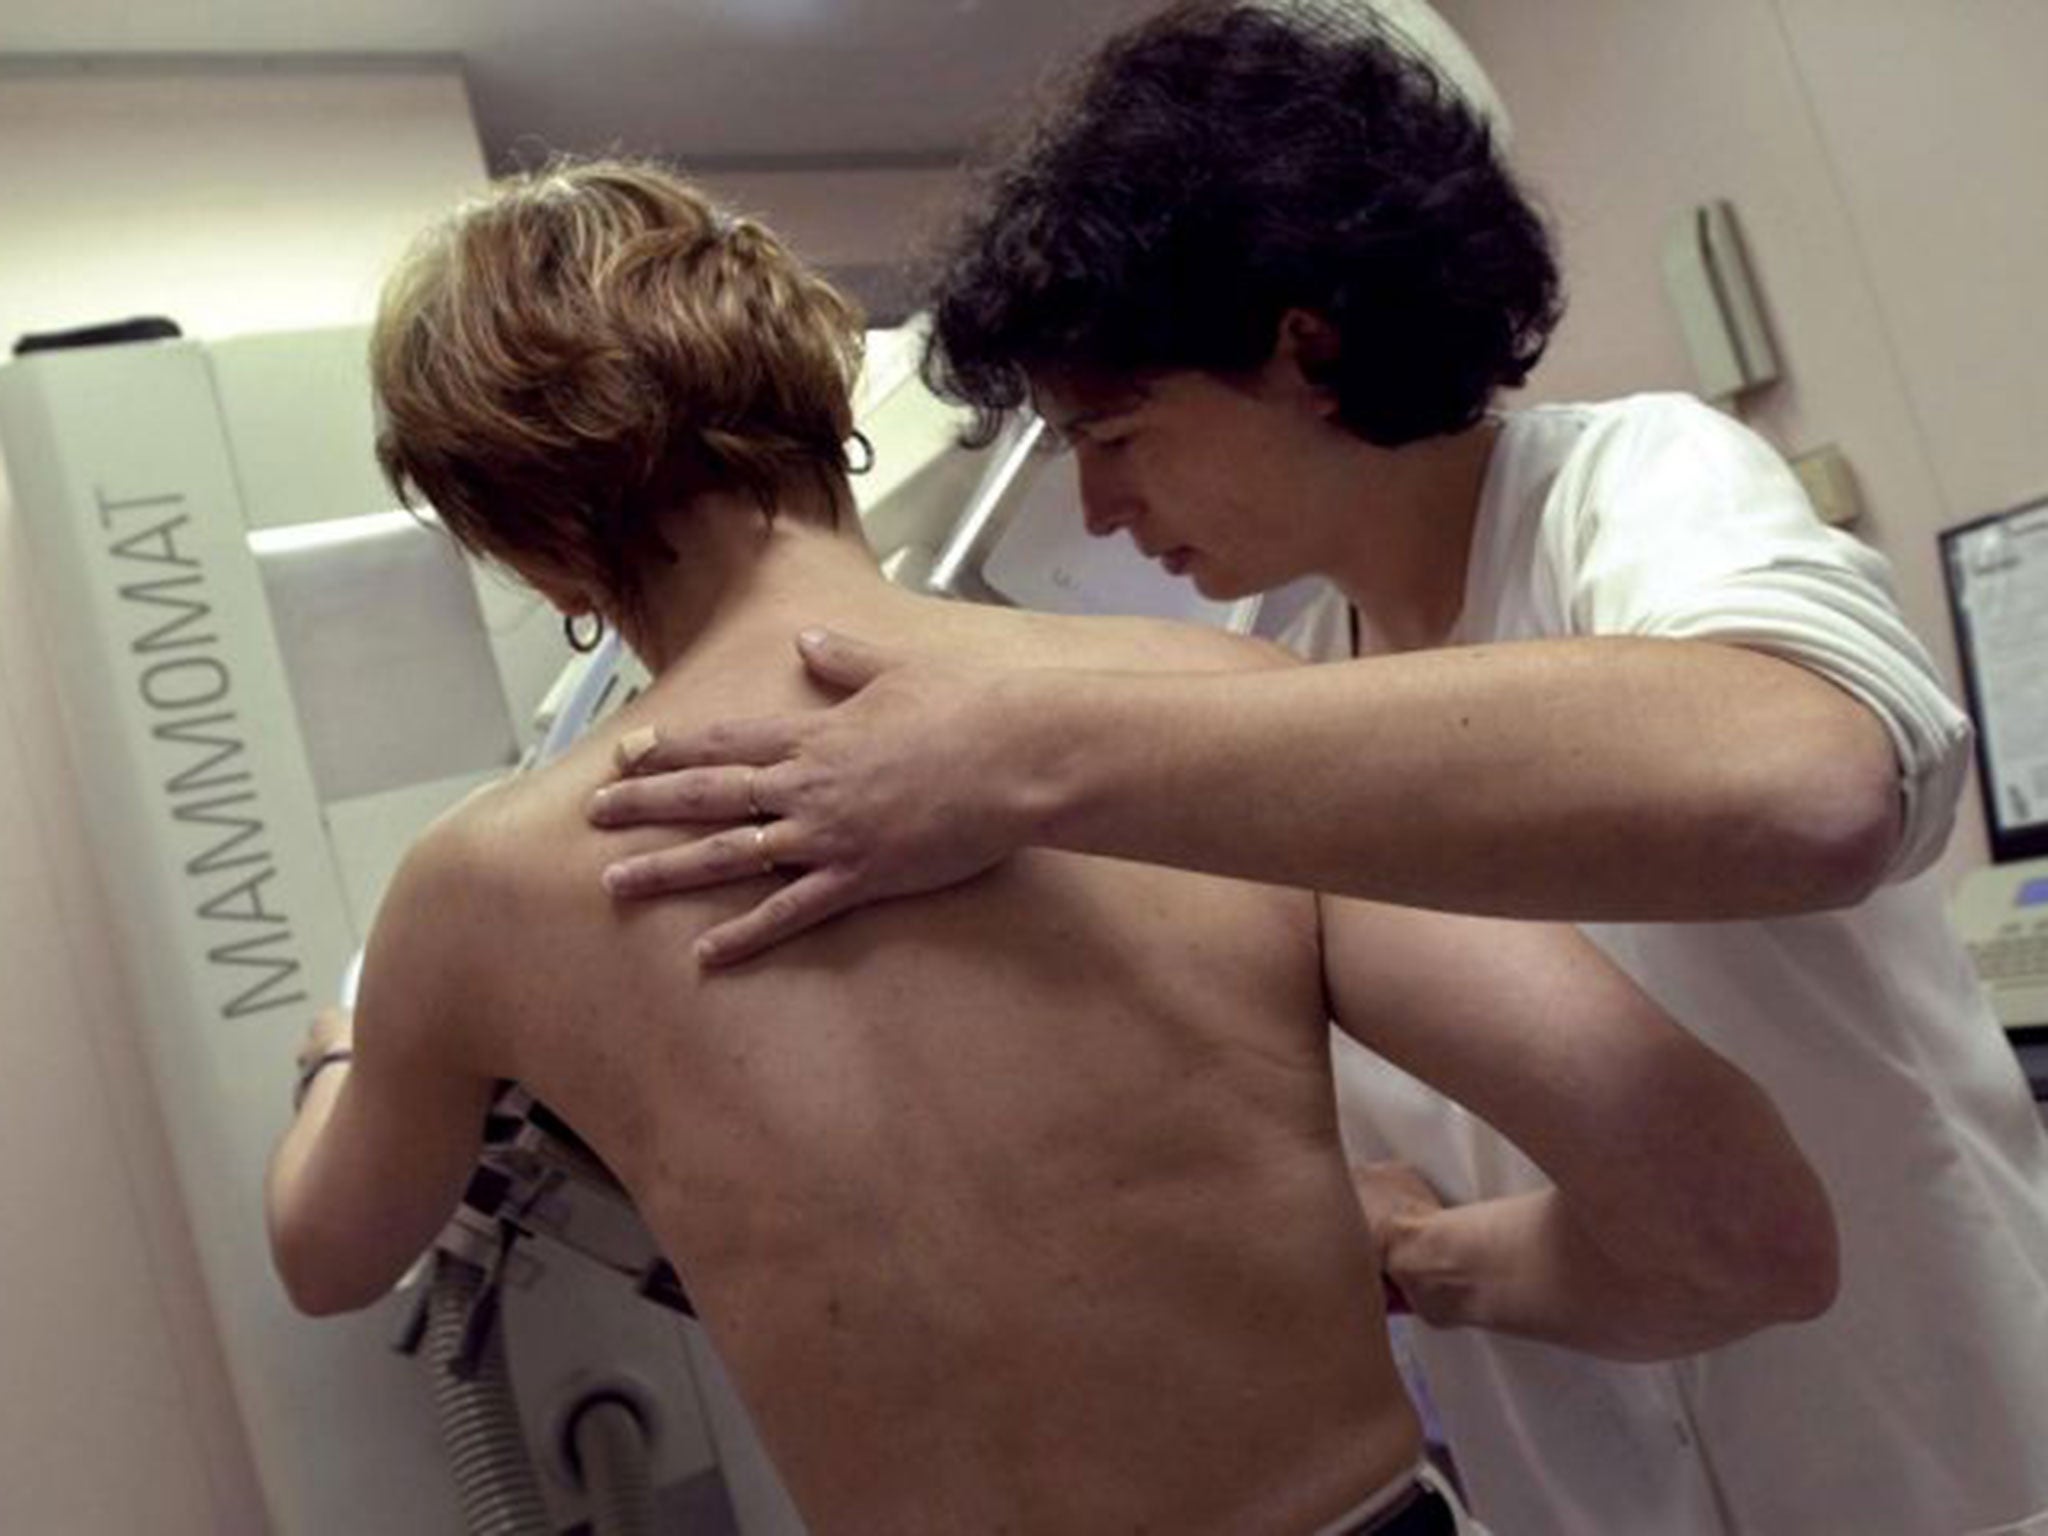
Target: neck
point(1407, 574)
point(740, 573)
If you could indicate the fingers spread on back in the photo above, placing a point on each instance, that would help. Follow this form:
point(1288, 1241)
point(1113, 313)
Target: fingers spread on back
point(800, 905)
point(687, 795)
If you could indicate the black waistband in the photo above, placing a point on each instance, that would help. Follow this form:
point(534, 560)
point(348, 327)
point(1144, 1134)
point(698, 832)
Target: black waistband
point(1423, 1512)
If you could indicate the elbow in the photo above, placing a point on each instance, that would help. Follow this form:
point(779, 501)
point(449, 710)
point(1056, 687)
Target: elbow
point(1792, 1269)
point(1832, 815)
point(324, 1294)
point(1833, 830)
point(308, 1285)
point(1848, 845)
point(317, 1280)
point(315, 1300)
point(1777, 1262)
point(1804, 1252)
point(1721, 1302)
point(1745, 1236)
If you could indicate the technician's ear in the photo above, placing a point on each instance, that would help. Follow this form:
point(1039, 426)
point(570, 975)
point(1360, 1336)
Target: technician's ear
point(1305, 352)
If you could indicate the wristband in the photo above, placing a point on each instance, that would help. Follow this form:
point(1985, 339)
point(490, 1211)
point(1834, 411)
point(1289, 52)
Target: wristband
point(313, 1069)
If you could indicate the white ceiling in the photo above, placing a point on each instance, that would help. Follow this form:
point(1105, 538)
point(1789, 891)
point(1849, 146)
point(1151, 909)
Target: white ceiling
point(740, 82)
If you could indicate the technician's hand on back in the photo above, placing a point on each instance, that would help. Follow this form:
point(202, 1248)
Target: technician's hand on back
point(899, 789)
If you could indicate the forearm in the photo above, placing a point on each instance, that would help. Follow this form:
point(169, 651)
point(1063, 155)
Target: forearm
point(1679, 1211)
point(302, 1254)
point(1523, 1265)
point(1584, 779)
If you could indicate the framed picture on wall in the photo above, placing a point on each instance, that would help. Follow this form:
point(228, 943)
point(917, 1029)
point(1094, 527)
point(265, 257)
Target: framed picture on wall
point(1997, 573)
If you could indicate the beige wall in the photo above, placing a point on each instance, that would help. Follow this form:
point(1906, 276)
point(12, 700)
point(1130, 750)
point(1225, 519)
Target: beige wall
point(843, 218)
point(1885, 159)
point(863, 227)
point(232, 201)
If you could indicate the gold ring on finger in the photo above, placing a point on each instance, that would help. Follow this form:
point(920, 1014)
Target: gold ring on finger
point(761, 851)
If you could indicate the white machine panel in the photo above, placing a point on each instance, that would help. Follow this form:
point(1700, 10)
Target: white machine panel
point(414, 696)
point(208, 837)
point(1047, 559)
point(2002, 914)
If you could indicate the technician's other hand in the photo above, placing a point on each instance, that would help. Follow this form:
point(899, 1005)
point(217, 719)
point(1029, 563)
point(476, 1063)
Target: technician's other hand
point(1394, 1197)
point(895, 790)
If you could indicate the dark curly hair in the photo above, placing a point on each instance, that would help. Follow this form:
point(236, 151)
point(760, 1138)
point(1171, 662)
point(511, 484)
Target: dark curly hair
point(1219, 165)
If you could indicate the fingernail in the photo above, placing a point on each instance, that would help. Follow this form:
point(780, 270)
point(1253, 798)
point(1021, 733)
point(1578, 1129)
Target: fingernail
point(810, 639)
point(707, 952)
point(633, 747)
point(600, 805)
point(614, 878)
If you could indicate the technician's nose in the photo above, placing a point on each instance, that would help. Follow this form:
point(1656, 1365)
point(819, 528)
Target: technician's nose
point(1105, 507)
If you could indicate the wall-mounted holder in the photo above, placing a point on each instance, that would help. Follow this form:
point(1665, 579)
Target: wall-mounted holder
point(1711, 289)
point(1830, 484)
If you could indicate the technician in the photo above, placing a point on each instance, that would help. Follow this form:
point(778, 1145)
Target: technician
point(1267, 281)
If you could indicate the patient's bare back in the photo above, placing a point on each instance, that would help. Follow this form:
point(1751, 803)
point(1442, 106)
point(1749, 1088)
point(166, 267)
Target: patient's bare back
point(1018, 1206)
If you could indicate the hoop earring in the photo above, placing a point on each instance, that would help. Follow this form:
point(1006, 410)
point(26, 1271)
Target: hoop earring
point(867, 449)
point(578, 642)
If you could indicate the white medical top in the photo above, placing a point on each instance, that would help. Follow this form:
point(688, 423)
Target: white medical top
point(1918, 1406)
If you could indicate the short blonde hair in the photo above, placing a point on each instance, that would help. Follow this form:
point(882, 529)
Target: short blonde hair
point(591, 344)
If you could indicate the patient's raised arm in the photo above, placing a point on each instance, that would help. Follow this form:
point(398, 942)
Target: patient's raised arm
point(383, 1138)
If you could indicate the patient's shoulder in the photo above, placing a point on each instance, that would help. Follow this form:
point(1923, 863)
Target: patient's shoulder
point(1161, 645)
point(452, 911)
point(466, 837)
point(464, 861)
point(428, 937)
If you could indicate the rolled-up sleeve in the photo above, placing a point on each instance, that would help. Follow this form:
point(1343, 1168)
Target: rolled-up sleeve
point(1686, 525)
